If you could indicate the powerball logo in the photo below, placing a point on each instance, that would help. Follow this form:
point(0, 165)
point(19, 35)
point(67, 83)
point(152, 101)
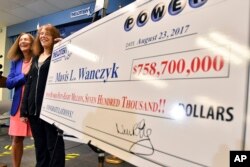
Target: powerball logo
point(60, 53)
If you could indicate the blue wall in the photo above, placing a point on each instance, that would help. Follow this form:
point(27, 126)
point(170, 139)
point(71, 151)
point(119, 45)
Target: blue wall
point(64, 17)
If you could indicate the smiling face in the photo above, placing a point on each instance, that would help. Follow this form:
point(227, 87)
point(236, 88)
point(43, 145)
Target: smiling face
point(46, 38)
point(25, 43)
point(44, 41)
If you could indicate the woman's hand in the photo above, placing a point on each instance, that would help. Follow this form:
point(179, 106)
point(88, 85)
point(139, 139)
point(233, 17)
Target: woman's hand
point(57, 40)
point(24, 119)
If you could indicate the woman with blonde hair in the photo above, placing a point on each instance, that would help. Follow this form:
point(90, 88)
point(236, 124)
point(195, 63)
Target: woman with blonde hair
point(49, 144)
point(20, 55)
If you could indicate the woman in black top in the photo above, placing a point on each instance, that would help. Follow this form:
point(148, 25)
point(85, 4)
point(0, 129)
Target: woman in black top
point(45, 135)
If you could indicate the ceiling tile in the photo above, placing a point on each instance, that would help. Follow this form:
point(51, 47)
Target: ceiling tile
point(9, 19)
point(8, 5)
point(24, 2)
point(24, 13)
point(65, 4)
point(42, 7)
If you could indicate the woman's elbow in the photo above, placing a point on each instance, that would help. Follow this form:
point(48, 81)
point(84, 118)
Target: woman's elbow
point(9, 85)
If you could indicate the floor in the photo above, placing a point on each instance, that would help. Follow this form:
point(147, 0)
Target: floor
point(77, 154)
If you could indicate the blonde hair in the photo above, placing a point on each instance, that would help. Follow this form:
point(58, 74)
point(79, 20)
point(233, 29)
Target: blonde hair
point(37, 46)
point(15, 52)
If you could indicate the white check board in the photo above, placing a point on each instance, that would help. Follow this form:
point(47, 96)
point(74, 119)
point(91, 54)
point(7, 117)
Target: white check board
point(157, 83)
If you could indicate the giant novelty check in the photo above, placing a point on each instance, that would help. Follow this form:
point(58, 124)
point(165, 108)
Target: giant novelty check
point(157, 83)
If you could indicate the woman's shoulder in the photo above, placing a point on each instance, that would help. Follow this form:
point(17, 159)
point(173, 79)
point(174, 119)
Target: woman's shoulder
point(15, 62)
point(35, 59)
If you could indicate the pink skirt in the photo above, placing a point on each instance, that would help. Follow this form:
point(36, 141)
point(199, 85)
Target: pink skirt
point(19, 128)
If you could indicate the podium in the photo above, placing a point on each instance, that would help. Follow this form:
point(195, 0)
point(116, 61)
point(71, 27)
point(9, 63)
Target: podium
point(2, 82)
